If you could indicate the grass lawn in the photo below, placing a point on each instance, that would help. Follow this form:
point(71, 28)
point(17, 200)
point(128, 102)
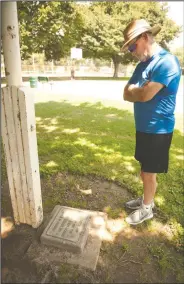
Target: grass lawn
point(90, 139)
point(86, 161)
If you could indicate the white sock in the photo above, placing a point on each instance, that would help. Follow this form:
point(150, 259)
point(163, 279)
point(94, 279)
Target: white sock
point(146, 206)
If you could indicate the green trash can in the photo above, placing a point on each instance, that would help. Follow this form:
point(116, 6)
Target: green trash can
point(33, 82)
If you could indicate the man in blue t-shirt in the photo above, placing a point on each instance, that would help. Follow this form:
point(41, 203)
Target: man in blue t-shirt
point(152, 88)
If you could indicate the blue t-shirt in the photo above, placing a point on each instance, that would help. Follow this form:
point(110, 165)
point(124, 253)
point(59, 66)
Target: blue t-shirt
point(157, 115)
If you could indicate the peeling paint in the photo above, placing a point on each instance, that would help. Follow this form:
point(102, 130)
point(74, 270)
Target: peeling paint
point(10, 28)
point(18, 115)
point(10, 31)
point(25, 184)
point(6, 72)
point(32, 127)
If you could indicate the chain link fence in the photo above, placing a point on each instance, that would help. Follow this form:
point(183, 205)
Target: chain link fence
point(65, 71)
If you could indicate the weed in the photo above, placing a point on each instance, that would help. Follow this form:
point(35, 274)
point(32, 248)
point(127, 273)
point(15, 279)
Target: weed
point(113, 213)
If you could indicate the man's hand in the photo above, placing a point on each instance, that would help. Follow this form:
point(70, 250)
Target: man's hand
point(131, 87)
point(128, 91)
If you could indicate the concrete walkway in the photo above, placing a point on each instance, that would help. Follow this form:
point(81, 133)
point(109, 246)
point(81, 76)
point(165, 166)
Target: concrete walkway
point(92, 91)
point(108, 92)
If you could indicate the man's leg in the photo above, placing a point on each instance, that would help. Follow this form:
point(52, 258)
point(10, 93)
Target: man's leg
point(144, 211)
point(141, 175)
point(149, 185)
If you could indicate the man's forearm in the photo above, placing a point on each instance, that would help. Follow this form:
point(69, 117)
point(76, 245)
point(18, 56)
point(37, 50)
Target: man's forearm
point(133, 94)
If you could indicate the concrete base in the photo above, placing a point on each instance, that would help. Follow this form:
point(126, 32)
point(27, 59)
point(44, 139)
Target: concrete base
point(88, 258)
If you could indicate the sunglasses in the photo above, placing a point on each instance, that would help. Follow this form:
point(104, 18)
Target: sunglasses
point(133, 46)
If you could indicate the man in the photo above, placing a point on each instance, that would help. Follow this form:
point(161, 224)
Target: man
point(152, 88)
point(72, 73)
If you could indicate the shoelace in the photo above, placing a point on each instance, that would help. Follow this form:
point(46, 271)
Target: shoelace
point(141, 212)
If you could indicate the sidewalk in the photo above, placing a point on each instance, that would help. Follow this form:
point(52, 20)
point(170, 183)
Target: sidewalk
point(108, 92)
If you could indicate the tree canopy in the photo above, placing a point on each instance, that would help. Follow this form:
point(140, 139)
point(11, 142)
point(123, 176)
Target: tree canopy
point(54, 27)
point(179, 52)
point(48, 26)
point(105, 22)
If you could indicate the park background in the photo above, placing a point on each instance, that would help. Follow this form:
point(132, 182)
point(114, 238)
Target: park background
point(85, 135)
point(46, 46)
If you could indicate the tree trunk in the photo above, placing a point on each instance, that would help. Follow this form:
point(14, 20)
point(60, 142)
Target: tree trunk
point(116, 67)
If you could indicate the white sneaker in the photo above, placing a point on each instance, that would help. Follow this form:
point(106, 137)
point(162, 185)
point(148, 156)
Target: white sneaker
point(136, 203)
point(139, 216)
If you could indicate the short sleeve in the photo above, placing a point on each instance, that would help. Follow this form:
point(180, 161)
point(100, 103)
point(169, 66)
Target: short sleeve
point(134, 78)
point(165, 70)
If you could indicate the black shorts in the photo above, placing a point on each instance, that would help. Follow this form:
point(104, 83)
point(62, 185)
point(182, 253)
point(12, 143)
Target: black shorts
point(152, 151)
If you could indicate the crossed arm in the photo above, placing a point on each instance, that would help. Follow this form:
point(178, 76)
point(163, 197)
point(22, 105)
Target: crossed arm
point(141, 94)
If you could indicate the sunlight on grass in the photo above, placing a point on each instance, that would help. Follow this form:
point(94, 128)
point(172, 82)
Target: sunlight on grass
point(112, 229)
point(109, 151)
point(159, 200)
point(116, 226)
point(7, 226)
point(38, 119)
point(85, 142)
point(51, 164)
point(78, 156)
point(180, 157)
point(50, 128)
point(111, 115)
point(126, 158)
point(71, 131)
point(91, 139)
point(110, 159)
point(172, 230)
point(155, 228)
point(129, 166)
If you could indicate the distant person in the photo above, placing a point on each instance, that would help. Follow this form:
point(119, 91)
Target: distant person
point(72, 73)
point(152, 88)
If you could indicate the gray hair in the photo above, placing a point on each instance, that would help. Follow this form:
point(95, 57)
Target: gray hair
point(151, 37)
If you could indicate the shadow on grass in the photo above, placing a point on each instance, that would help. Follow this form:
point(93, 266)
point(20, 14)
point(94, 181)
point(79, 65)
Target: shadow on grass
point(86, 139)
point(82, 146)
point(97, 140)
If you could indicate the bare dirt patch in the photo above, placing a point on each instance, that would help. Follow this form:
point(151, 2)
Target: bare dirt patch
point(139, 254)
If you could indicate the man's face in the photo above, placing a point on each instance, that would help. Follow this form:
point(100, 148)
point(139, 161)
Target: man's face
point(138, 47)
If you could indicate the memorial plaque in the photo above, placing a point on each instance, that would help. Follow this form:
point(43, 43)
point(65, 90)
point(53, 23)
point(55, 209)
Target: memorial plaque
point(67, 229)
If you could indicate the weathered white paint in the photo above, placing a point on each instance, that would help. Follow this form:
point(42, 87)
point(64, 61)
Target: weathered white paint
point(20, 149)
point(28, 124)
point(19, 129)
point(10, 43)
point(14, 159)
point(20, 144)
point(6, 144)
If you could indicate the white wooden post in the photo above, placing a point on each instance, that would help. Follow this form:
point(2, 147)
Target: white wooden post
point(10, 44)
point(19, 128)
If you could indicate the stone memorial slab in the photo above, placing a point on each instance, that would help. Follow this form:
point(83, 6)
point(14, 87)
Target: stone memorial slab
point(88, 258)
point(68, 229)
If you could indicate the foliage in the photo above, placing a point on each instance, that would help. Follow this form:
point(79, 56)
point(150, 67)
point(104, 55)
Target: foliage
point(51, 27)
point(180, 54)
point(105, 22)
point(54, 27)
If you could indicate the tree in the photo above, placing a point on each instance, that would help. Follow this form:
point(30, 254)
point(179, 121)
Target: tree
point(27, 11)
point(54, 27)
point(48, 26)
point(105, 22)
point(180, 54)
